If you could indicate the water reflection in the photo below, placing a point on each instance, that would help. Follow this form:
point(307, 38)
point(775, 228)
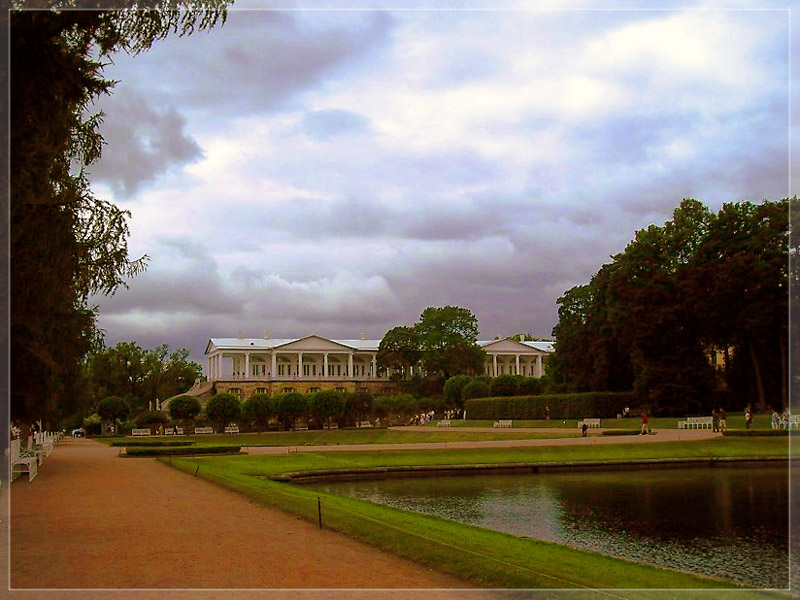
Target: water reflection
point(730, 523)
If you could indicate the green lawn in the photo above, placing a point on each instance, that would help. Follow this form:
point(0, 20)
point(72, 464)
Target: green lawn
point(340, 437)
point(483, 557)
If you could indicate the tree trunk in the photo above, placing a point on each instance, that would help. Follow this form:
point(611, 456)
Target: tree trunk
point(762, 397)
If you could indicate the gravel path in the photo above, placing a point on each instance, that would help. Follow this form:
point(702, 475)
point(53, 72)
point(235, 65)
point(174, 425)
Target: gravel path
point(93, 520)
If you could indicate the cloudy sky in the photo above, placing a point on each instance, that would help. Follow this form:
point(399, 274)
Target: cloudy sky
point(336, 172)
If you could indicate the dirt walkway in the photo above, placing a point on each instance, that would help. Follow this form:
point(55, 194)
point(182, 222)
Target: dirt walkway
point(663, 435)
point(93, 520)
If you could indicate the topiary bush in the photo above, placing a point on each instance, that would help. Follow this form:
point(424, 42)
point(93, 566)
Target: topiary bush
point(184, 409)
point(477, 388)
point(604, 405)
point(291, 407)
point(505, 385)
point(224, 408)
point(453, 388)
point(327, 405)
point(259, 409)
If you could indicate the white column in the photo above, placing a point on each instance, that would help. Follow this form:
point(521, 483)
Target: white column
point(374, 366)
point(325, 365)
point(247, 365)
point(274, 368)
point(494, 365)
point(350, 364)
point(516, 357)
point(299, 364)
point(539, 369)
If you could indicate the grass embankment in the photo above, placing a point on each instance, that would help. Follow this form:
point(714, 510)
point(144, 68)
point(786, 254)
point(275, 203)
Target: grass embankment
point(484, 557)
point(337, 437)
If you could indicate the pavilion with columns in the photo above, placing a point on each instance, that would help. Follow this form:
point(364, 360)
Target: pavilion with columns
point(312, 360)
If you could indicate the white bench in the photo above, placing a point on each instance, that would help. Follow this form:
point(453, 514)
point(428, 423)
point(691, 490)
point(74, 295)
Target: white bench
point(363, 424)
point(794, 421)
point(203, 430)
point(301, 428)
point(331, 426)
point(696, 423)
point(503, 423)
point(20, 461)
point(141, 431)
point(443, 423)
point(232, 429)
point(589, 423)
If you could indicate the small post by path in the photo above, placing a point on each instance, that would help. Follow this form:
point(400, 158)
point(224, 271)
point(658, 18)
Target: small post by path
point(319, 511)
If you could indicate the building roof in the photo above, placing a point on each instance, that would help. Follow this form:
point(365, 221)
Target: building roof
point(358, 344)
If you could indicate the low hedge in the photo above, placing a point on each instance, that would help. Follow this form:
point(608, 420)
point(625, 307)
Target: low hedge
point(149, 442)
point(755, 432)
point(622, 432)
point(604, 405)
point(155, 451)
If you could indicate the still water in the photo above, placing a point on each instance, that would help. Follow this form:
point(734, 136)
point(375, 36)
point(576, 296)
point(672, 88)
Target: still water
point(724, 522)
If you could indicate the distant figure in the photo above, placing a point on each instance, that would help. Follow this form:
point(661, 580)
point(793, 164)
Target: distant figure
point(748, 417)
point(723, 424)
point(547, 412)
point(776, 420)
point(645, 424)
point(715, 420)
point(787, 418)
point(584, 429)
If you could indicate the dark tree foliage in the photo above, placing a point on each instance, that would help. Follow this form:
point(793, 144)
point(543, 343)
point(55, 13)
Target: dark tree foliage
point(66, 244)
point(700, 285)
point(113, 408)
point(258, 409)
point(289, 407)
point(223, 408)
point(140, 375)
point(358, 405)
point(184, 408)
point(327, 404)
point(399, 350)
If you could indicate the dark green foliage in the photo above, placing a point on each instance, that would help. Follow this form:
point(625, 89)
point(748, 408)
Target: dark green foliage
point(755, 432)
point(184, 408)
point(604, 405)
point(181, 451)
point(397, 409)
point(259, 409)
point(530, 386)
point(149, 418)
point(399, 350)
point(223, 408)
point(327, 405)
point(358, 406)
point(453, 388)
point(506, 385)
point(65, 244)
point(290, 407)
point(477, 388)
point(152, 442)
point(113, 408)
point(701, 283)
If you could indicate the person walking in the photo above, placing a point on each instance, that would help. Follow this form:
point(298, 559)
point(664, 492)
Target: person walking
point(723, 424)
point(748, 417)
point(645, 424)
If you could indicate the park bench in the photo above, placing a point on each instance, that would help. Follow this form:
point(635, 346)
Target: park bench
point(203, 430)
point(232, 429)
point(696, 423)
point(794, 421)
point(331, 426)
point(141, 431)
point(174, 431)
point(23, 461)
point(503, 423)
point(363, 424)
point(443, 423)
point(589, 423)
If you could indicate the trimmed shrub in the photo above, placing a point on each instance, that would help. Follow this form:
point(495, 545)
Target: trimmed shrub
point(223, 409)
point(149, 418)
point(184, 408)
point(151, 442)
point(453, 388)
point(258, 409)
point(182, 451)
point(358, 406)
point(290, 407)
point(477, 388)
point(505, 385)
point(604, 405)
point(327, 404)
point(531, 386)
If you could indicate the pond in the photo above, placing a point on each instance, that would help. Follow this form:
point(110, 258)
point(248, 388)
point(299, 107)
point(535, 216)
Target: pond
point(724, 522)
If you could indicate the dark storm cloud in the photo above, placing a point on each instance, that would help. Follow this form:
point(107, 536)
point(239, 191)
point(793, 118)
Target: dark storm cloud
point(141, 142)
point(256, 62)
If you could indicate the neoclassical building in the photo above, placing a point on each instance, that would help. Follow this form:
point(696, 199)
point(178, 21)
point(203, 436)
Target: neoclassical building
point(263, 365)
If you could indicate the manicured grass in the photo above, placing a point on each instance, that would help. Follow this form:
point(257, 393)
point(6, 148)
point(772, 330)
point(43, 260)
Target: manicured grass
point(338, 437)
point(484, 557)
